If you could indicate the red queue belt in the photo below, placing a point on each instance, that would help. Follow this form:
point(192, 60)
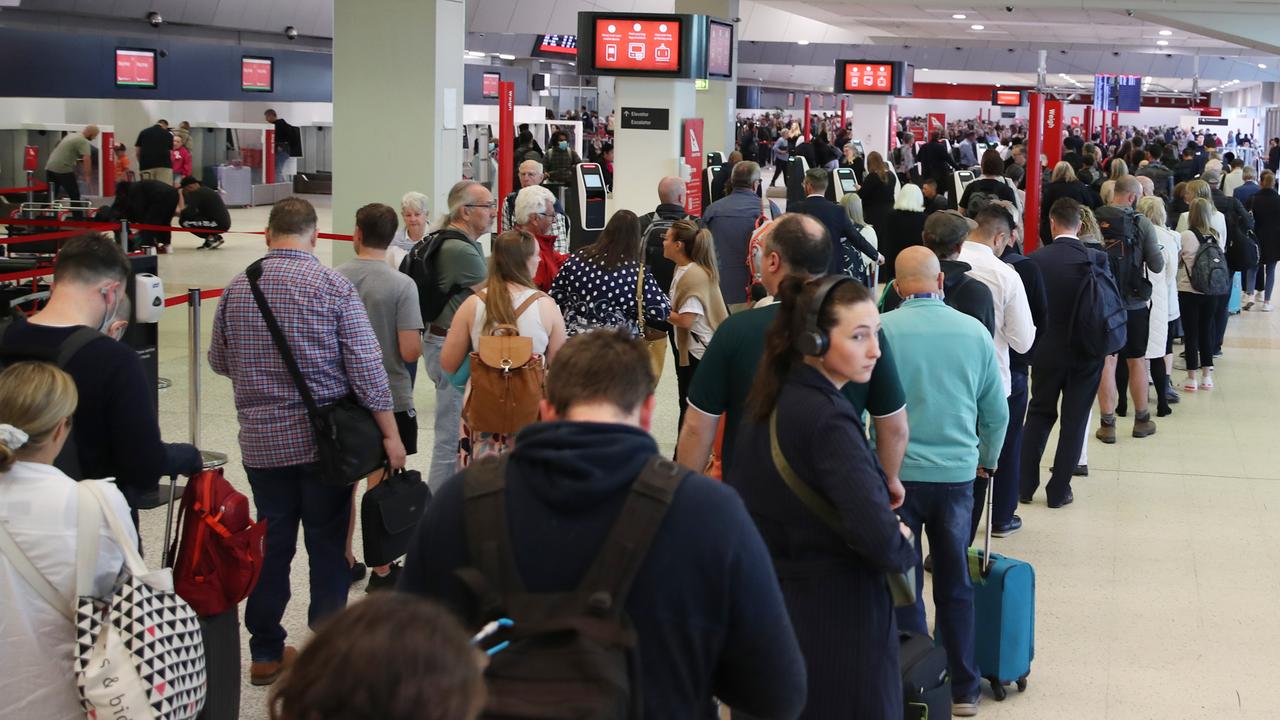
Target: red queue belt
point(38, 187)
point(185, 297)
point(105, 226)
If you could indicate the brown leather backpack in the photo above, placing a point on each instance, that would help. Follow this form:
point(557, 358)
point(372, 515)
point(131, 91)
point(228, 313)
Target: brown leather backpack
point(507, 379)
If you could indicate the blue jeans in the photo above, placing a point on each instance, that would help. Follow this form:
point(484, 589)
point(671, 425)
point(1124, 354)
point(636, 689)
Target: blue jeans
point(282, 156)
point(945, 510)
point(285, 496)
point(448, 416)
point(1008, 478)
point(1266, 278)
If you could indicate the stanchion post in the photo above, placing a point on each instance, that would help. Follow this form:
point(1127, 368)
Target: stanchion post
point(124, 236)
point(31, 187)
point(211, 459)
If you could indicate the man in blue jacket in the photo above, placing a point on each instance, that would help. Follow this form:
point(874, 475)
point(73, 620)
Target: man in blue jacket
point(705, 604)
point(958, 415)
point(731, 220)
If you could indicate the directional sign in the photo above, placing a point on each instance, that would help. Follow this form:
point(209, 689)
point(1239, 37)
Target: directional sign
point(634, 118)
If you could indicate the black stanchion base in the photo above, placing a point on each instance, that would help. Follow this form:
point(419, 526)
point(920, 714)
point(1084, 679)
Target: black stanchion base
point(159, 497)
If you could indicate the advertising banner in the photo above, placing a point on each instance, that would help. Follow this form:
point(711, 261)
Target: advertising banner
point(691, 155)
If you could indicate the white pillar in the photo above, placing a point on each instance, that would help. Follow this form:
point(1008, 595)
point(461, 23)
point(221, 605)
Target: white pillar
point(642, 157)
point(717, 104)
point(869, 121)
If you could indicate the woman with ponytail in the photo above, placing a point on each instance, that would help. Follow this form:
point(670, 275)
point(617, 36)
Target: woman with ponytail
point(509, 298)
point(817, 493)
point(697, 306)
point(38, 520)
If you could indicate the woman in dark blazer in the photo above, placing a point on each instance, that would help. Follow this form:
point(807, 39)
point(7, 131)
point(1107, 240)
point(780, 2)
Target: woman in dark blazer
point(902, 229)
point(876, 191)
point(833, 577)
point(1063, 183)
point(1266, 224)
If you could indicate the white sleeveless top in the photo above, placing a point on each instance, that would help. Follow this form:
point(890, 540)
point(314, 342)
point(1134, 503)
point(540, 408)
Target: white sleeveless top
point(529, 324)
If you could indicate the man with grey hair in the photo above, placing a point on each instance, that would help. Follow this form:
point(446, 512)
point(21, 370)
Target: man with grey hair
point(530, 174)
point(536, 214)
point(654, 226)
point(731, 220)
point(60, 170)
point(448, 267)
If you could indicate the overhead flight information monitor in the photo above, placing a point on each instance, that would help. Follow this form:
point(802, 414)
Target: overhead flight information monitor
point(135, 67)
point(1008, 98)
point(1121, 93)
point(642, 45)
point(719, 49)
point(863, 77)
point(556, 46)
point(257, 74)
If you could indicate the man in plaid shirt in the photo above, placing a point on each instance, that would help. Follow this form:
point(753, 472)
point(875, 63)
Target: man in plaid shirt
point(325, 324)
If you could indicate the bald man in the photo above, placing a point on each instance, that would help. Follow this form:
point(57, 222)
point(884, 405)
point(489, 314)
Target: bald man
point(530, 173)
point(947, 363)
point(654, 226)
point(60, 170)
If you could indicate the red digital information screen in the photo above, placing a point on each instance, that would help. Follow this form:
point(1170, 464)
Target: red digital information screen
point(719, 49)
point(864, 77)
point(256, 74)
point(1007, 98)
point(557, 44)
point(489, 87)
point(652, 45)
point(135, 68)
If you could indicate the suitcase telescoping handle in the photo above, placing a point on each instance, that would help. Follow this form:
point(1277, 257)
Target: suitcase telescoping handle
point(986, 541)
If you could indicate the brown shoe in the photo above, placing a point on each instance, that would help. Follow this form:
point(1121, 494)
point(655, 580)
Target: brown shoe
point(1143, 428)
point(265, 673)
point(1107, 434)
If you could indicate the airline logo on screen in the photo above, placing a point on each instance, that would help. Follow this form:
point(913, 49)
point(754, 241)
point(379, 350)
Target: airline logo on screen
point(135, 67)
point(652, 45)
point(255, 74)
point(868, 78)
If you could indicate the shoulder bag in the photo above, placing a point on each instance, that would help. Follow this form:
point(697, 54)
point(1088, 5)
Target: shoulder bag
point(656, 340)
point(389, 513)
point(901, 587)
point(507, 379)
point(348, 440)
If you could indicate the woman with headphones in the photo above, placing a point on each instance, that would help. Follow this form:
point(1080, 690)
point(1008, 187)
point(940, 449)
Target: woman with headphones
point(817, 493)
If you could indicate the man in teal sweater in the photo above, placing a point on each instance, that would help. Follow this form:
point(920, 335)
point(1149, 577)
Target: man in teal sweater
point(957, 416)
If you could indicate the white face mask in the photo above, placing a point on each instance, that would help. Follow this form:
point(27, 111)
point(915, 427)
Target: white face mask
point(112, 308)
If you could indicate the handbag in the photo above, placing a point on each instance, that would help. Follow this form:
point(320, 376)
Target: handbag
point(507, 379)
point(655, 340)
point(139, 650)
point(901, 587)
point(348, 440)
point(389, 513)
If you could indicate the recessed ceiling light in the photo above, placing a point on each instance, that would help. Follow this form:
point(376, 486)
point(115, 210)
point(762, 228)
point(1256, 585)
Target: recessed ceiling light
point(802, 42)
point(924, 69)
point(506, 57)
point(959, 16)
point(1162, 43)
point(1166, 33)
point(1262, 66)
point(977, 27)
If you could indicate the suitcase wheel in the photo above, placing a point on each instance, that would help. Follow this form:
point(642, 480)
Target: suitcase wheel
point(1022, 684)
point(997, 689)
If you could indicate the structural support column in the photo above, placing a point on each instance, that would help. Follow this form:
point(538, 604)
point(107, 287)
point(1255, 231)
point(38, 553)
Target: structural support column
point(870, 122)
point(380, 50)
point(1031, 204)
point(717, 104)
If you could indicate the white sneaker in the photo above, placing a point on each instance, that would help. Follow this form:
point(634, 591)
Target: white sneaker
point(1266, 307)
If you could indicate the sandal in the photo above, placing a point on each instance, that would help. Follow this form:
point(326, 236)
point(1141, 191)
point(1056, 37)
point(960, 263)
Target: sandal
point(1190, 385)
point(1206, 382)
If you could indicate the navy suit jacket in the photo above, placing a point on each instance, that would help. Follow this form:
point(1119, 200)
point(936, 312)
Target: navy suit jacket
point(838, 224)
point(1063, 265)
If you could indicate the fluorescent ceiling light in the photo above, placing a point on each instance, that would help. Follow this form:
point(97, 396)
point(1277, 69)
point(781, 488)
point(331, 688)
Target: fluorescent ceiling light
point(802, 42)
point(1262, 66)
point(507, 57)
point(1162, 43)
point(977, 27)
point(1166, 33)
point(959, 16)
point(924, 69)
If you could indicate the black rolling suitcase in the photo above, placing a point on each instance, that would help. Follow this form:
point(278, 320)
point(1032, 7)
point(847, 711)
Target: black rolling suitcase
point(926, 683)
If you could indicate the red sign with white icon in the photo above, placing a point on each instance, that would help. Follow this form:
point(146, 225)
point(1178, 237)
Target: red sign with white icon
point(623, 44)
point(30, 158)
point(1052, 129)
point(136, 68)
point(255, 74)
point(1008, 98)
point(692, 156)
point(863, 77)
point(489, 88)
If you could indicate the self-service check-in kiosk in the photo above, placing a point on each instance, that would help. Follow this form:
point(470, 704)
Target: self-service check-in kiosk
point(715, 158)
point(843, 182)
point(586, 205)
point(711, 190)
point(961, 179)
point(797, 166)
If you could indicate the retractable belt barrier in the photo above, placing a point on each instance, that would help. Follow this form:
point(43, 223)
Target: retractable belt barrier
point(38, 187)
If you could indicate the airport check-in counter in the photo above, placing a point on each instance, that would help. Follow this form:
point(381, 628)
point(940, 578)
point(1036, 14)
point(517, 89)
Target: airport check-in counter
point(586, 205)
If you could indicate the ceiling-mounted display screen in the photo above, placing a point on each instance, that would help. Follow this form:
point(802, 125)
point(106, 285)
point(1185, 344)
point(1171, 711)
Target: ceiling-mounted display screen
point(257, 74)
point(642, 45)
point(556, 46)
point(135, 67)
point(863, 77)
point(1008, 98)
point(719, 49)
point(489, 86)
point(1121, 93)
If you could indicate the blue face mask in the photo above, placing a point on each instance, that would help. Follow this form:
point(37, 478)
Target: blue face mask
point(564, 144)
point(492, 146)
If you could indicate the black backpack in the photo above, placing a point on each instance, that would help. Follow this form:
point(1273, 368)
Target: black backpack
point(420, 266)
point(662, 268)
point(1208, 273)
point(1242, 244)
point(568, 655)
point(1099, 320)
point(1120, 239)
point(68, 460)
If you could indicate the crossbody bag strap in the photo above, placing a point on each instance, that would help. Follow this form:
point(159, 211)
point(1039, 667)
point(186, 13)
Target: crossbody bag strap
point(38, 582)
point(816, 504)
point(640, 299)
point(254, 273)
point(75, 343)
point(88, 521)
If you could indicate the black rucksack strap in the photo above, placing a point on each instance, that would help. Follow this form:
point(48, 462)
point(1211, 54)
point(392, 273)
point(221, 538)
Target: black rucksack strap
point(604, 587)
point(484, 508)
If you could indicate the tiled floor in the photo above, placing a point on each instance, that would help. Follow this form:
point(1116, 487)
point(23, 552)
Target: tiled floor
point(1156, 589)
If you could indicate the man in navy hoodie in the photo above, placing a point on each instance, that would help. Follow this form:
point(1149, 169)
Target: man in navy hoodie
point(706, 607)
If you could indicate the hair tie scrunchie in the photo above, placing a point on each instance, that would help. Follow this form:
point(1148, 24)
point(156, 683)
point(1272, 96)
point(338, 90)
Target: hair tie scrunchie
point(12, 437)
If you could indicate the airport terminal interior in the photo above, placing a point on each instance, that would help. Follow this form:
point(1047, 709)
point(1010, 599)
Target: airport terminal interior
point(1151, 589)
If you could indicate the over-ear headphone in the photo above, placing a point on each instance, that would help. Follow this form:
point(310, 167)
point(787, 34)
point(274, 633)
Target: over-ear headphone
point(813, 341)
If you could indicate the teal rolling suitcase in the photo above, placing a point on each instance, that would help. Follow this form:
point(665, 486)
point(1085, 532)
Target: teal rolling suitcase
point(1004, 602)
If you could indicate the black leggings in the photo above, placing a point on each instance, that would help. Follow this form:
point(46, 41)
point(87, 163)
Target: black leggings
point(1197, 328)
point(684, 378)
point(1160, 377)
point(779, 166)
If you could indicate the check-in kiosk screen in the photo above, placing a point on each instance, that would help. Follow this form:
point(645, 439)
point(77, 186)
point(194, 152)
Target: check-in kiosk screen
point(592, 180)
point(848, 185)
point(637, 44)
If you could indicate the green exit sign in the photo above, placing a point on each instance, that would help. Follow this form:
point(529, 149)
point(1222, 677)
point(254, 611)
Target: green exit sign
point(701, 84)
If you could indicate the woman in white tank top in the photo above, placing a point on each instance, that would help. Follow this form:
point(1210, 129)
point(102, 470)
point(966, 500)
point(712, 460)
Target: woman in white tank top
point(512, 265)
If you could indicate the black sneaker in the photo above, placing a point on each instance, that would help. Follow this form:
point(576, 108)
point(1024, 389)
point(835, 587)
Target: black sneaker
point(358, 571)
point(205, 245)
point(1172, 397)
point(1081, 471)
point(384, 582)
point(1012, 527)
point(1063, 501)
point(214, 242)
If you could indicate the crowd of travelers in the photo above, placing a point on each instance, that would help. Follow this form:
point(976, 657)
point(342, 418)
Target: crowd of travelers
point(851, 376)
